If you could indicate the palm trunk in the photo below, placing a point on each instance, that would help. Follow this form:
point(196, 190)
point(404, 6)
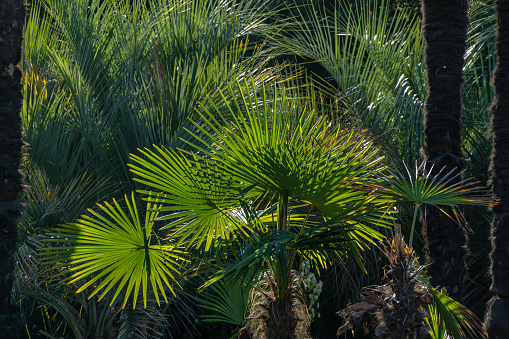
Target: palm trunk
point(497, 316)
point(444, 29)
point(12, 14)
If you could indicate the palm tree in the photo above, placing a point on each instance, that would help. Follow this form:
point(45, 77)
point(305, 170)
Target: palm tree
point(12, 16)
point(497, 319)
point(237, 194)
point(444, 30)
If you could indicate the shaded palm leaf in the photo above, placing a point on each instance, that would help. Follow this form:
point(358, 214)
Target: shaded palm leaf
point(228, 300)
point(376, 59)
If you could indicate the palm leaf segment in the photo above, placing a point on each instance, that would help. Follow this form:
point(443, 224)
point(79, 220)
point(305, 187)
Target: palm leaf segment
point(454, 318)
point(116, 248)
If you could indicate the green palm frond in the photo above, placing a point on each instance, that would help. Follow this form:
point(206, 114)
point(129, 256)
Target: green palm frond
point(269, 141)
point(435, 323)
point(115, 248)
point(419, 187)
point(228, 300)
point(201, 198)
point(458, 320)
point(57, 301)
point(48, 204)
point(38, 38)
point(444, 189)
point(252, 157)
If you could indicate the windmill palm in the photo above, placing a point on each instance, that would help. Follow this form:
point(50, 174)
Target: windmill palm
point(498, 307)
point(444, 30)
point(261, 153)
point(12, 16)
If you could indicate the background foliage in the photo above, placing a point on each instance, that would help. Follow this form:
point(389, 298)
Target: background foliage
point(106, 79)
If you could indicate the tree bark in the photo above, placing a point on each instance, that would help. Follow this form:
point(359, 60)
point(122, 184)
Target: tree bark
point(497, 316)
point(12, 15)
point(444, 29)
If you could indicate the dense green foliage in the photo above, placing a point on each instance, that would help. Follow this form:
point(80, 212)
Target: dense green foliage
point(243, 166)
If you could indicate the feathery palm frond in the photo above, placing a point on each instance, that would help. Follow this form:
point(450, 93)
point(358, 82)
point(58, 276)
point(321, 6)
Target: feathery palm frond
point(375, 61)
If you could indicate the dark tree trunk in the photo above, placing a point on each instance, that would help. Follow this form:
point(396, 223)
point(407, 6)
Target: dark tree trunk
point(444, 29)
point(12, 15)
point(497, 316)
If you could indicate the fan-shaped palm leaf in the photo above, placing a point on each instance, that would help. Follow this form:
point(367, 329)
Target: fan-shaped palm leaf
point(118, 249)
point(420, 188)
point(201, 197)
point(228, 300)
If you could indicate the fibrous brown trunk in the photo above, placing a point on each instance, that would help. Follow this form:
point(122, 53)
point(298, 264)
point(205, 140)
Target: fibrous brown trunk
point(12, 15)
point(497, 316)
point(444, 28)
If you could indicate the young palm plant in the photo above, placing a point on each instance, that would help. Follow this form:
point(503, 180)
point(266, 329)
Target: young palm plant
point(273, 179)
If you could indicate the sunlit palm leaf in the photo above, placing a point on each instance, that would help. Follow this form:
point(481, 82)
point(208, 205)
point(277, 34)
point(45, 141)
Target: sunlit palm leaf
point(277, 146)
point(420, 187)
point(47, 206)
point(435, 323)
point(459, 321)
point(200, 197)
point(115, 249)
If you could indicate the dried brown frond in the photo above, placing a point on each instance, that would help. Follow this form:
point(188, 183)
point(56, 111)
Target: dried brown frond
point(397, 305)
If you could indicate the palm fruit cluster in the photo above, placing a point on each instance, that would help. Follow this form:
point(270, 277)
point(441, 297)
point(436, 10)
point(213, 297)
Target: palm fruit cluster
point(311, 287)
